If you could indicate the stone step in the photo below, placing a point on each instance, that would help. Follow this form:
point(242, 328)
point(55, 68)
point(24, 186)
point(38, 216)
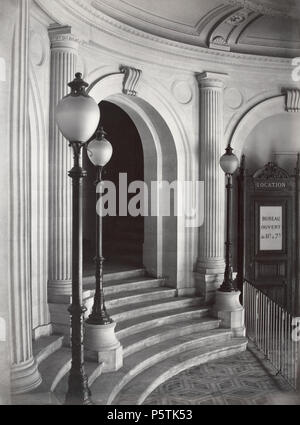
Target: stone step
point(133, 343)
point(160, 318)
point(45, 346)
point(123, 274)
point(35, 398)
point(164, 300)
point(130, 284)
point(139, 388)
point(92, 369)
point(54, 368)
point(114, 287)
point(120, 299)
point(112, 383)
point(149, 307)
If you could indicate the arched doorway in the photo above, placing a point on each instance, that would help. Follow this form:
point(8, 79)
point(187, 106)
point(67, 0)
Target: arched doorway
point(123, 234)
point(163, 142)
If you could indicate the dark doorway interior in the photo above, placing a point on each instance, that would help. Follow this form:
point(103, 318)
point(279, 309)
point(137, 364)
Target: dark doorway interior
point(122, 236)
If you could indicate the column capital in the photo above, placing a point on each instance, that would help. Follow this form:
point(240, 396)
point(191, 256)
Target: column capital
point(211, 79)
point(62, 38)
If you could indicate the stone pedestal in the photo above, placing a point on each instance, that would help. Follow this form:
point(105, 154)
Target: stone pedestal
point(228, 309)
point(210, 263)
point(101, 345)
point(64, 51)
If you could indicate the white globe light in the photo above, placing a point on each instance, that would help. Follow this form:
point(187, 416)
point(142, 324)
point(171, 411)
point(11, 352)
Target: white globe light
point(229, 162)
point(77, 114)
point(99, 150)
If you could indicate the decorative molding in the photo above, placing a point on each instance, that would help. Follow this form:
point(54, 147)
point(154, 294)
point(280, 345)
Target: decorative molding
point(251, 118)
point(39, 202)
point(37, 49)
point(61, 37)
point(131, 79)
point(182, 91)
point(233, 98)
point(101, 22)
point(218, 42)
point(292, 100)
point(263, 8)
point(211, 79)
point(237, 18)
point(271, 171)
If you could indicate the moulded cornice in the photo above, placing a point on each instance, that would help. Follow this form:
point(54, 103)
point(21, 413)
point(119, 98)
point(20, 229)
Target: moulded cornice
point(82, 12)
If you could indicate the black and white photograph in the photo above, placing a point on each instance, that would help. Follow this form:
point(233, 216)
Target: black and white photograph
point(150, 206)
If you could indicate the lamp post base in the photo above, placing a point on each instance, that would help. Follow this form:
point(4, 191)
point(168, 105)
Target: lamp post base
point(101, 345)
point(228, 309)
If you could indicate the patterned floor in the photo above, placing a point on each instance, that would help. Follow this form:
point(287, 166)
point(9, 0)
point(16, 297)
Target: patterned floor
point(244, 379)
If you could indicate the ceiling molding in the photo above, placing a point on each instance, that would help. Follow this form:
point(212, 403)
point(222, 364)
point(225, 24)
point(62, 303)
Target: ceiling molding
point(78, 12)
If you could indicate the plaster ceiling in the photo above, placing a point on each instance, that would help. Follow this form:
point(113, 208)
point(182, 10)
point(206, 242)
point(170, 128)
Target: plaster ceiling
point(267, 27)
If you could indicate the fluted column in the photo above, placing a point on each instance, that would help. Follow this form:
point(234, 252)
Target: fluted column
point(24, 371)
point(64, 50)
point(210, 264)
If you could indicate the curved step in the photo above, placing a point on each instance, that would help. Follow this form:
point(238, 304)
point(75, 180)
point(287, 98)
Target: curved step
point(131, 284)
point(160, 318)
point(147, 338)
point(136, 392)
point(142, 309)
point(127, 298)
point(109, 276)
point(112, 383)
point(54, 368)
point(45, 346)
point(92, 369)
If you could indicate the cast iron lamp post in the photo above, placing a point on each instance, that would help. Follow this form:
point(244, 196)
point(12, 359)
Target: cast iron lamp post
point(77, 116)
point(229, 164)
point(99, 152)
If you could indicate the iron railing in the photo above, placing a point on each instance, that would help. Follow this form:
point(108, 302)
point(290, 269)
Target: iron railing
point(272, 329)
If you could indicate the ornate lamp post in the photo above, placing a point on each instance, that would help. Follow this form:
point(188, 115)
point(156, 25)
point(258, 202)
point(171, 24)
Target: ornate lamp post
point(100, 341)
point(229, 164)
point(77, 116)
point(99, 152)
point(227, 306)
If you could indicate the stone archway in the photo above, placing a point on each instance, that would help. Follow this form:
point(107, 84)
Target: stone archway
point(160, 249)
point(249, 121)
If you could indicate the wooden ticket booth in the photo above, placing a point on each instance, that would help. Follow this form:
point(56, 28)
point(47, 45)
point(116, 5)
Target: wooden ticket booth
point(268, 232)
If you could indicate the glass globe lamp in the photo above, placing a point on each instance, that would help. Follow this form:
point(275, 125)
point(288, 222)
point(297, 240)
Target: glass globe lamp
point(229, 162)
point(100, 150)
point(77, 114)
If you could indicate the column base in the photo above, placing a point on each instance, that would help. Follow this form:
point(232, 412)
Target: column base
point(58, 288)
point(25, 377)
point(228, 309)
point(101, 345)
point(207, 283)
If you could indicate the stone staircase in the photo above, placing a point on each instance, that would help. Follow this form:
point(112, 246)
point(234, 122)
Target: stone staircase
point(161, 333)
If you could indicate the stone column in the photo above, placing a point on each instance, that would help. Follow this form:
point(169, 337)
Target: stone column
point(210, 264)
point(24, 371)
point(64, 51)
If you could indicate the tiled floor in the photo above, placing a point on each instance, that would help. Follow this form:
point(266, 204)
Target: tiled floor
point(244, 379)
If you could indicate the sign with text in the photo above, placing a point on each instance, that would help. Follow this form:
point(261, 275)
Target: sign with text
point(270, 222)
point(271, 184)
